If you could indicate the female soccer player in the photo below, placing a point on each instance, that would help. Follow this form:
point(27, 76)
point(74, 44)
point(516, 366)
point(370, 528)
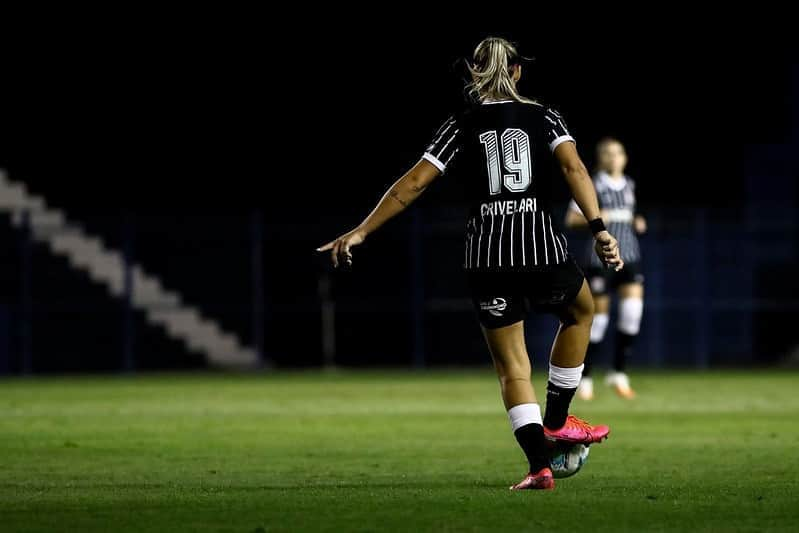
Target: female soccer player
point(514, 256)
point(616, 193)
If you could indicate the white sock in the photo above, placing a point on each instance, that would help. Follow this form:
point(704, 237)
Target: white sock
point(524, 414)
point(630, 312)
point(599, 326)
point(618, 378)
point(565, 378)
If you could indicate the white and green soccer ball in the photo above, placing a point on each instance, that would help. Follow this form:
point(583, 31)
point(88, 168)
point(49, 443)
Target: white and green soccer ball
point(567, 459)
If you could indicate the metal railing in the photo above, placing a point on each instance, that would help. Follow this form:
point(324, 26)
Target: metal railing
point(703, 304)
point(707, 301)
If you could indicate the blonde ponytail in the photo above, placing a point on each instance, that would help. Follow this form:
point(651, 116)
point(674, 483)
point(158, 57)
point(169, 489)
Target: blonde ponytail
point(491, 76)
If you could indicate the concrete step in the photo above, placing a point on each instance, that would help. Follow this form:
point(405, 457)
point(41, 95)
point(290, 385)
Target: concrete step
point(88, 253)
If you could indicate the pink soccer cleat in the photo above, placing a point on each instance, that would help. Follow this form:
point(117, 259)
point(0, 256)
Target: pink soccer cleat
point(543, 480)
point(577, 431)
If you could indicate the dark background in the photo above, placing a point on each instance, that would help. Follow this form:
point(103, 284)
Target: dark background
point(187, 126)
point(144, 114)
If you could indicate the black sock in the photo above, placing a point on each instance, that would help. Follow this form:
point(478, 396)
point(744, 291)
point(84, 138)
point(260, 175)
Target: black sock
point(590, 354)
point(624, 347)
point(558, 400)
point(531, 439)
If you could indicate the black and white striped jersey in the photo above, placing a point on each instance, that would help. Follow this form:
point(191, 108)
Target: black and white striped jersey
point(617, 200)
point(504, 152)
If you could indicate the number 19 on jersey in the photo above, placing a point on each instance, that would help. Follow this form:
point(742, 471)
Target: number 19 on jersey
point(512, 155)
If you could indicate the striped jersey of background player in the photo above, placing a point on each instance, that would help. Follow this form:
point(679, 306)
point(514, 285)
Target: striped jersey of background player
point(516, 259)
point(617, 201)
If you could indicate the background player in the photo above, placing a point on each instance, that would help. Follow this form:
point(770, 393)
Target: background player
point(616, 194)
point(514, 256)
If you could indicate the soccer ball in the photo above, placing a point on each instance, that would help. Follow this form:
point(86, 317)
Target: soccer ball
point(567, 459)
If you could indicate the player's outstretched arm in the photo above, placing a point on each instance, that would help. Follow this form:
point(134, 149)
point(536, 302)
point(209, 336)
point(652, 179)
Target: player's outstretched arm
point(582, 189)
point(399, 196)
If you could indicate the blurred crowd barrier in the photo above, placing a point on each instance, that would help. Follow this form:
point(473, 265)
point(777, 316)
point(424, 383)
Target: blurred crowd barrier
point(720, 289)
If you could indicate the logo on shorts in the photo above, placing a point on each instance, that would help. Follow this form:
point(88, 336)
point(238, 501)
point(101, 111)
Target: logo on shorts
point(558, 297)
point(495, 306)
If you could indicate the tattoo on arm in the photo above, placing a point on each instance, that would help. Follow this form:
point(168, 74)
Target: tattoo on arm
point(395, 195)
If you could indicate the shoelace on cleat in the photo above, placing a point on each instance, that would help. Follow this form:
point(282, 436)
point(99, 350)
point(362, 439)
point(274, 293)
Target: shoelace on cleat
point(582, 424)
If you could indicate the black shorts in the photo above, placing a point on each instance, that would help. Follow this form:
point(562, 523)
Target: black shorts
point(504, 298)
point(604, 280)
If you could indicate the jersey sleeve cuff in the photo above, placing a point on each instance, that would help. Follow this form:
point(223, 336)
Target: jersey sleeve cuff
point(435, 161)
point(560, 140)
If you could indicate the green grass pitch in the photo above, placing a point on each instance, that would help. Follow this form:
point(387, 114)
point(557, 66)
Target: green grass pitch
point(388, 451)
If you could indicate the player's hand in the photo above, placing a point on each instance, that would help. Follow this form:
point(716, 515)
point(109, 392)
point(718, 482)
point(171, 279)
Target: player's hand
point(639, 223)
point(607, 249)
point(340, 248)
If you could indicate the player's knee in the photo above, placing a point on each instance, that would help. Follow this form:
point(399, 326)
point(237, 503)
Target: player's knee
point(630, 312)
point(599, 327)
